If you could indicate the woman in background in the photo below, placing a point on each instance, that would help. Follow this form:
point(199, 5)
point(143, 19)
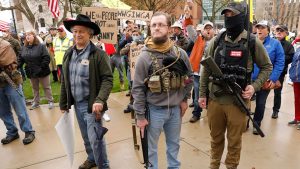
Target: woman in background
point(37, 60)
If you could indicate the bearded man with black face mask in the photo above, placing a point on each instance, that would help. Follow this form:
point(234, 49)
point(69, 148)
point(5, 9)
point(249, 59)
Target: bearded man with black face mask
point(230, 49)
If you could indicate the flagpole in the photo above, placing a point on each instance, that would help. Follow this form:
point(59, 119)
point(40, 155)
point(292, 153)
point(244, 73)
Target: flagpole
point(71, 8)
point(13, 18)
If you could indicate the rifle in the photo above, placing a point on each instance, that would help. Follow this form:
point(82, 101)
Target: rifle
point(6, 77)
point(231, 86)
point(144, 141)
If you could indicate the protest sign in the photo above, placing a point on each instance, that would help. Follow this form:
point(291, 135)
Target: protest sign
point(106, 19)
point(135, 14)
point(135, 51)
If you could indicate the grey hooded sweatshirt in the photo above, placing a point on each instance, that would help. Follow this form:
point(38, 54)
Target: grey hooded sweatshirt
point(141, 93)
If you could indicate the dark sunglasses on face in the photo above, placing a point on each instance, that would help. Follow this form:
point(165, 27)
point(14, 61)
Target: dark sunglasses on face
point(280, 30)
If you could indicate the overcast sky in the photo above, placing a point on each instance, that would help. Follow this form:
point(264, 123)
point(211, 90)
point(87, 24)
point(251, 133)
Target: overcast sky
point(5, 15)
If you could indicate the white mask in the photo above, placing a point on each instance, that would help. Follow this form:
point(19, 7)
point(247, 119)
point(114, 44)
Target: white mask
point(135, 38)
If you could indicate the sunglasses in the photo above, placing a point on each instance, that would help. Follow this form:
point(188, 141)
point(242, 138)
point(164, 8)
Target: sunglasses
point(280, 30)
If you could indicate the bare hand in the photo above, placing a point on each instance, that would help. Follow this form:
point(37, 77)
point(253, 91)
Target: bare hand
point(187, 11)
point(271, 85)
point(248, 92)
point(190, 3)
point(183, 107)
point(142, 124)
point(97, 109)
point(202, 102)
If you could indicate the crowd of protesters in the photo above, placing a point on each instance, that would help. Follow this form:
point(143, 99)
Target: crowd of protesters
point(85, 71)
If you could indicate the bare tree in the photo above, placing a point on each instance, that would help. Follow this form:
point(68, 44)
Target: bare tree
point(24, 7)
point(78, 4)
point(282, 12)
point(154, 5)
point(216, 7)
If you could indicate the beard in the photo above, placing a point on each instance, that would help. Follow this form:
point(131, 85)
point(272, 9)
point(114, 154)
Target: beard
point(160, 40)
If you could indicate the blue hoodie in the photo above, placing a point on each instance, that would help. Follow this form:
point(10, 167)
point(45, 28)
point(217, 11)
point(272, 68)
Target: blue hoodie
point(295, 67)
point(276, 55)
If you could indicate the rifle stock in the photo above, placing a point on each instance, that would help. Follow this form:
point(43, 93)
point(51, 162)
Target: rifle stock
point(233, 87)
point(10, 82)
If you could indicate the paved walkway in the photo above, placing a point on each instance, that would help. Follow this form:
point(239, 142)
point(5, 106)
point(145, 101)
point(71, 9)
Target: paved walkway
point(278, 150)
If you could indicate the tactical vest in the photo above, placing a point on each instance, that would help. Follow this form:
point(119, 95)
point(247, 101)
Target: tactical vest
point(161, 79)
point(232, 59)
point(60, 47)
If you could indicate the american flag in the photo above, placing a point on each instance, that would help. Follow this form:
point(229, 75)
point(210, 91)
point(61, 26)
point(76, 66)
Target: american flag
point(53, 6)
point(4, 25)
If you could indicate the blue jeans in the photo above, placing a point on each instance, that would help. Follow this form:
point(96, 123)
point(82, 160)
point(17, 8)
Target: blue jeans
point(86, 122)
point(197, 109)
point(169, 121)
point(8, 97)
point(116, 62)
point(261, 98)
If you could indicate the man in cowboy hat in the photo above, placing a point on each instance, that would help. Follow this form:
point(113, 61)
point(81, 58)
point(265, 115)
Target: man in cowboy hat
point(86, 84)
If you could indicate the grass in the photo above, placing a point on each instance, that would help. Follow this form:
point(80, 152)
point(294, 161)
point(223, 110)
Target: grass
point(55, 86)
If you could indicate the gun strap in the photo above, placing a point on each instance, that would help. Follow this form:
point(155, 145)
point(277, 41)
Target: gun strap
point(156, 65)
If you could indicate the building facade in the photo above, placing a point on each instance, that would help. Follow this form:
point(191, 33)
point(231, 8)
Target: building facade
point(286, 12)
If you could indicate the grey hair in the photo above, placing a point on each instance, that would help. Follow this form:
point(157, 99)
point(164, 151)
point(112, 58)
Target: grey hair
point(90, 30)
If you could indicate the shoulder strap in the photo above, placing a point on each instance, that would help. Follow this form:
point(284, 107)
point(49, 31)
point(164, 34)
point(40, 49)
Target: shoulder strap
point(219, 37)
point(252, 44)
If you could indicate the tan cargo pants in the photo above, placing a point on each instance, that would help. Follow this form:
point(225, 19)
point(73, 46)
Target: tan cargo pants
point(223, 117)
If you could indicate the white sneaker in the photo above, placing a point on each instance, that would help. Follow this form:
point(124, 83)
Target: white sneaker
point(106, 117)
point(51, 105)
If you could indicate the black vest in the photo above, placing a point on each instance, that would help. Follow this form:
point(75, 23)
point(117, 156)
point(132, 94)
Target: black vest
point(232, 59)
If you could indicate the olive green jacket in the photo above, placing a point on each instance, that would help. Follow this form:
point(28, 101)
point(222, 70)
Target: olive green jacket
point(100, 75)
point(261, 58)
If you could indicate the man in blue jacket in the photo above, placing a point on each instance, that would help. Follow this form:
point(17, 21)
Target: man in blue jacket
point(276, 55)
point(281, 32)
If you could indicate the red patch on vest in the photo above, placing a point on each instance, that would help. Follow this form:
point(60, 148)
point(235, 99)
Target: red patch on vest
point(236, 54)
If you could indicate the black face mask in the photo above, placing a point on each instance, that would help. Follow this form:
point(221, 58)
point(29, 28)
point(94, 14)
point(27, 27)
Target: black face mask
point(235, 25)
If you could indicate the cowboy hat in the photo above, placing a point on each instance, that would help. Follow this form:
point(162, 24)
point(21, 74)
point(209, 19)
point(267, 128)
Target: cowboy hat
point(82, 20)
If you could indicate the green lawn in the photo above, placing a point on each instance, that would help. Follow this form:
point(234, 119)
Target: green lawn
point(56, 88)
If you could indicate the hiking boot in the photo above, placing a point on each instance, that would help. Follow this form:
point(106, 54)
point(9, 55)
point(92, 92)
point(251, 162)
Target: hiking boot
point(127, 110)
point(293, 122)
point(194, 119)
point(34, 106)
point(9, 139)
point(29, 137)
point(255, 132)
point(275, 115)
point(87, 165)
point(51, 105)
point(191, 105)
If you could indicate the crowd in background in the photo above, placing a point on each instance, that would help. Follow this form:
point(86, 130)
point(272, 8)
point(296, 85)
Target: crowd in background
point(39, 55)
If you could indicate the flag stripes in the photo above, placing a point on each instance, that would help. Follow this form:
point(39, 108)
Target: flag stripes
point(53, 6)
point(4, 25)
